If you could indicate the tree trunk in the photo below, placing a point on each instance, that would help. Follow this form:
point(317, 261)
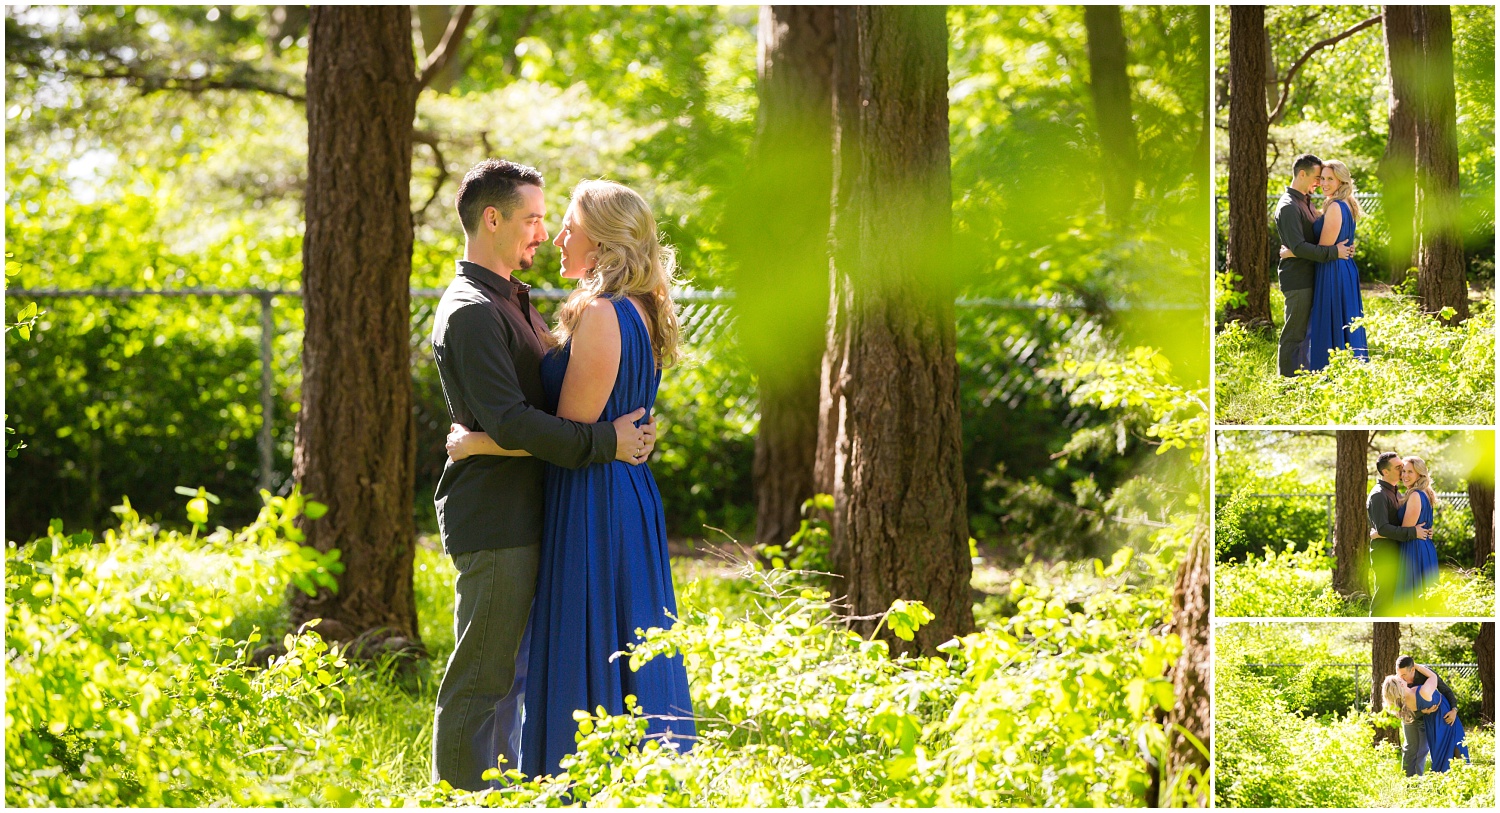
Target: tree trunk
point(1398, 167)
point(1249, 226)
point(1484, 653)
point(1351, 523)
point(1110, 87)
point(898, 471)
point(1385, 648)
point(1193, 674)
point(1440, 248)
point(1482, 506)
point(354, 448)
point(780, 241)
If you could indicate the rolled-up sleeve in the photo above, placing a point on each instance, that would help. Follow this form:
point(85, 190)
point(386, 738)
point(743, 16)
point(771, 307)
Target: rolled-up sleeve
point(492, 392)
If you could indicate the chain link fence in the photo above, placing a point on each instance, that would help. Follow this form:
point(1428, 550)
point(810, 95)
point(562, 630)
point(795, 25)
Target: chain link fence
point(1335, 688)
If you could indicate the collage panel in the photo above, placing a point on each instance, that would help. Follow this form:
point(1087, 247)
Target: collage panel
point(1354, 714)
point(1385, 523)
point(1355, 216)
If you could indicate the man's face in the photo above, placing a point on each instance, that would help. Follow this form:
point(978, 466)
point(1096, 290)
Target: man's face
point(1317, 177)
point(516, 238)
point(1407, 673)
point(1392, 473)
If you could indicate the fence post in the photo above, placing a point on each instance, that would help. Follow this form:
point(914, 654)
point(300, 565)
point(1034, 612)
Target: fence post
point(267, 403)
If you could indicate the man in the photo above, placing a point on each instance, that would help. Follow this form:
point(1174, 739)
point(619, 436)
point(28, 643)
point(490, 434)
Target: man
point(488, 342)
point(1294, 225)
point(1414, 734)
point(1384, 510)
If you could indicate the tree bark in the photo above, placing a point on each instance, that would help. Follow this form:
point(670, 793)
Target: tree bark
point(1385, 648)
point(354, 448)
point(1351, 523)
point(1484, 653)
point(1398, 167)
point(1482, 506)
point(899, 485)
point(1193, 674)
point(1249, 226)
point(1441, 266)
point(1110, 87)
point(779, 236)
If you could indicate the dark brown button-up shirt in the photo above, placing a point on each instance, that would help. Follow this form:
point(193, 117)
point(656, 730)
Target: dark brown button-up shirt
point(487, 340)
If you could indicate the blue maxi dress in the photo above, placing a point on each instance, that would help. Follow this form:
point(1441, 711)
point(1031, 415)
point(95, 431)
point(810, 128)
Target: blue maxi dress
point(1443, 741)
point(1336, 303)
point(603, 574)
point(1419, 559)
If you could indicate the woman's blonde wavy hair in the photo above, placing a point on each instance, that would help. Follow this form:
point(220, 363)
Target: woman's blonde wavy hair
point(1424, 481)
point(632, 262)
point(1345, 191)
point(1393, 692)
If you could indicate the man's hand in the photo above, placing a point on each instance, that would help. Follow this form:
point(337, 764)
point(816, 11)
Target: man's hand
point(650, 429)
point(631, 444)
point(1423, 532)
point(1346, 251)
point(1450, 716)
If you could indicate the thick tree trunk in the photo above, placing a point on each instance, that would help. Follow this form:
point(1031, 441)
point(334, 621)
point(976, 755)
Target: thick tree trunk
point(780, 240)
point(898, 473)
point(1110, 87)
point(1351, 523)
point(1385, 648)
point(1484, 653)
point(1249, 226)
point(1398, 167)
point(1440, 248)
point(1193, 674)
point(1482, 505)
point(354, 448)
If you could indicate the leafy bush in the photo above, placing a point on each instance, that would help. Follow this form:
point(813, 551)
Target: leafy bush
point(1049, 707)
point(1246, 525)
point(1420, 372)
point(122, 690)
point(1288, 583)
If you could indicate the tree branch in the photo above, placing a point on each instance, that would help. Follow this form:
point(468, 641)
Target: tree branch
point(431, 140)
point(1286, 82)
point(447, 47)
point(149, 82)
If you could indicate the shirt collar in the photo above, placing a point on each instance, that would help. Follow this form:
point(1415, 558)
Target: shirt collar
point(508, 288)
point(1295, 194)
point(1385, 485)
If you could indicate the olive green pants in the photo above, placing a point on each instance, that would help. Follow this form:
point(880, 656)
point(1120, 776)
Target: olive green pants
point(480, 700)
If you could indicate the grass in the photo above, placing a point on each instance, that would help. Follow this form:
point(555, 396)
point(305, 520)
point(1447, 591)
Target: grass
point(1420, 372)
point(1300, 586)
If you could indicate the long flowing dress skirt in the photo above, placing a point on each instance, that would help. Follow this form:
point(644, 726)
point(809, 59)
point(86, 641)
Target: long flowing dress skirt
point(604, 573)
point(1336, 303)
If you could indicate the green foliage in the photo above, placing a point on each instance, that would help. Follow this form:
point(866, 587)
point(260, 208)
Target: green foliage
point(122, 689)
point(1046, 708)
point(1246, 525)
point(1289, 583)
point(1420, 372)
point(1281, 741)
point(808, 549)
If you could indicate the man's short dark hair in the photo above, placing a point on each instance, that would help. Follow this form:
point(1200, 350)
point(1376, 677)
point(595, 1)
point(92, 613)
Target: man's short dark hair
point(492, 183)
point(1405, 662)
point(1384, 461)
point(1305, 162)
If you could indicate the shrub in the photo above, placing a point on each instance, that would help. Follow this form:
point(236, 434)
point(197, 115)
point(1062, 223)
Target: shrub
point(1287, 584)
point(122, 690)
point(1420, 372)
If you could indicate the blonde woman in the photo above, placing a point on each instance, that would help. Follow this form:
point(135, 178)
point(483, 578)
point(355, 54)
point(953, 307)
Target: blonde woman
point(604, 571)
point(1336, 301)
point(1419, 560)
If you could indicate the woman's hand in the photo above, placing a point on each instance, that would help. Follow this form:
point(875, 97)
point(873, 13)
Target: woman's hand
point(1286, 253)
point(458, 445)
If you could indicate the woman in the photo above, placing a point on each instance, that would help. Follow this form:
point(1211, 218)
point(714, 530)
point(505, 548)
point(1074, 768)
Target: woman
point(604, 570)
point(1419, 561)
point(1444, 741)
point(1336, 301)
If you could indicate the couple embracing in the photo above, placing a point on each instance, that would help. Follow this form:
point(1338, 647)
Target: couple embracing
point(1404, 556)
point(546, 506)
point(1428, 711)
point(1317, 272)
